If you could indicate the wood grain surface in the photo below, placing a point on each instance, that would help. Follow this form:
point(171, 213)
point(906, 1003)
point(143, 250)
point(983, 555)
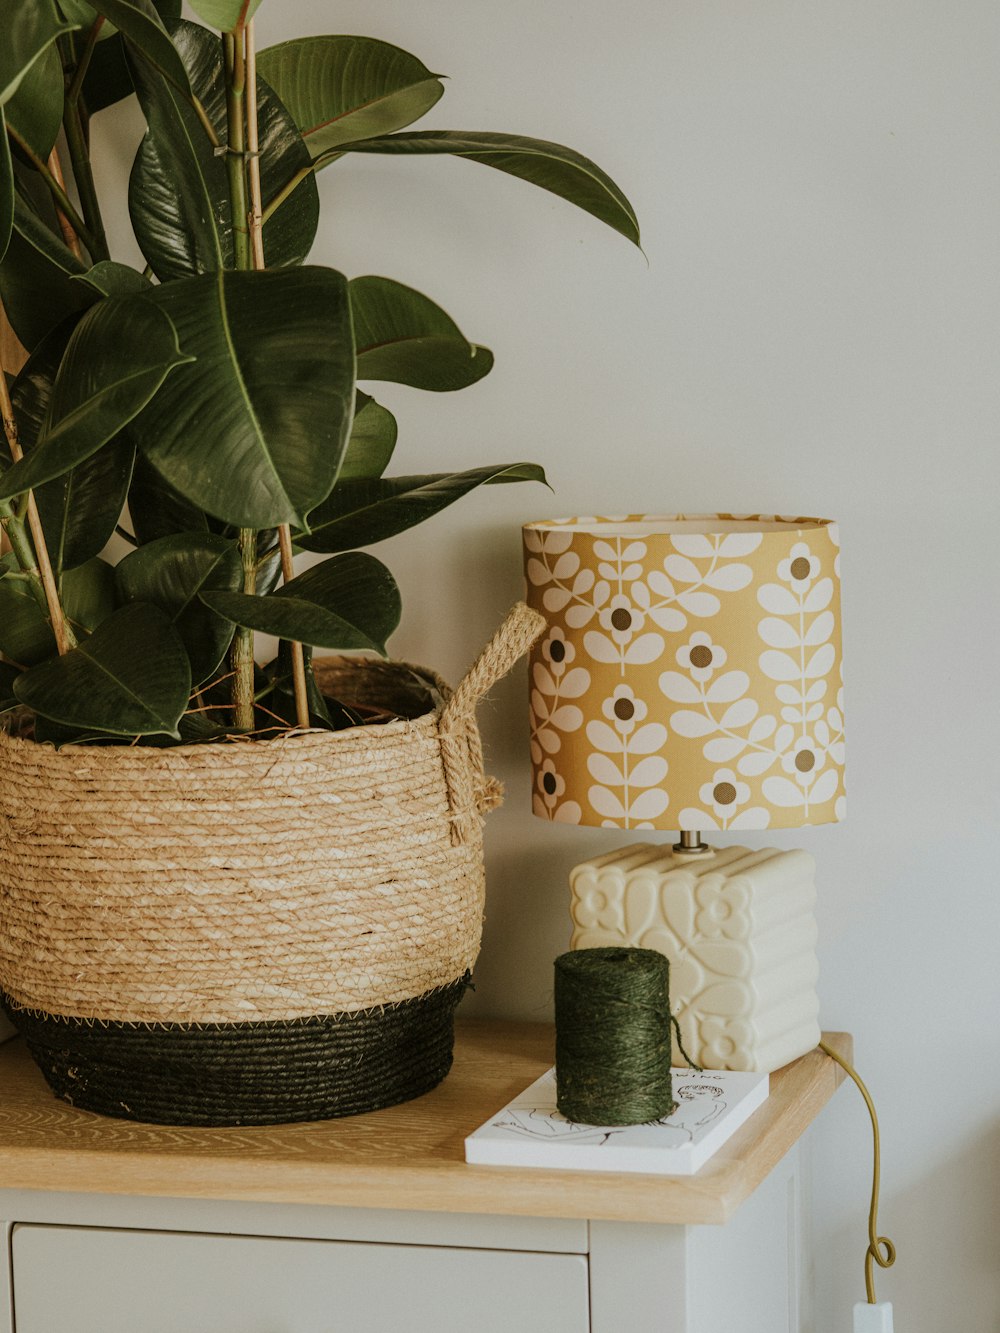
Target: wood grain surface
point(406, 1157)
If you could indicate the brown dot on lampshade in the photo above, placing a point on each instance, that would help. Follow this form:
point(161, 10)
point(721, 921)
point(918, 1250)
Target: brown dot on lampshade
point(549, 784)
point(805, 761)
point(800, 567)
point(557, 650)
point(724, 793)
point(624, 709)
point(701, 655)
point(620, 618)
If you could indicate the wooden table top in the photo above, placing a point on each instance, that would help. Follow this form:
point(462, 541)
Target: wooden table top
point(406, 1157)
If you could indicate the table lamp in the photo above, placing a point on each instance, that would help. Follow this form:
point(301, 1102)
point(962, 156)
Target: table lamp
point(690, 679)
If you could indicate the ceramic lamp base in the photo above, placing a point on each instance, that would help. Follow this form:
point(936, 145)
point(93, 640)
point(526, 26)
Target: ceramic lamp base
point(739, 930)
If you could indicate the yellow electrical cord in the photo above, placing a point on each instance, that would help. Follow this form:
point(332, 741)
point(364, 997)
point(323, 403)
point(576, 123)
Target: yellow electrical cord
point(880, 1248)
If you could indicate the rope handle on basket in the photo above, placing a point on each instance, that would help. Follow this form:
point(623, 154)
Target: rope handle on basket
point(470, 793)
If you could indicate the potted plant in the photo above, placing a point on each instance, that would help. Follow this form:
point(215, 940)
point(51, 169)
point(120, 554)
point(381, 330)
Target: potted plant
point(173, 813)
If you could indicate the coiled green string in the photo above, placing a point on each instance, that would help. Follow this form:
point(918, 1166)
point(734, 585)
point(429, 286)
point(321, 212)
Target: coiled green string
point(613, 1036)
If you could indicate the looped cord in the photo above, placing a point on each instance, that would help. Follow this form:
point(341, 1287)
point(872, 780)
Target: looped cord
point(880, 1250)
point(470, 793)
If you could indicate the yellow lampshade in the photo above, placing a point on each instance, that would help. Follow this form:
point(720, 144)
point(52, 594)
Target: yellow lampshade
point(690, 677)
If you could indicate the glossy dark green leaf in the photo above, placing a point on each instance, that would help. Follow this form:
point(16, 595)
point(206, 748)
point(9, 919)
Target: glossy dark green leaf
point(6, 188)
point(80, 509)
point(108, 78)
point(35, 279)
point(142, 29)
point(111, 279)
point(225, 14)
point(403, 336)
point(349, 602)
point(89, 596)
point(8, 675)
point(171, 573)
point(35, 111)
point(29, 29)
point(341, 88)
point(156, 509)
point(254, 430)
point(551, 166)
point(372, 440)
point(118, 356)
point(131, 677)
point(366, 510)
point(25, 634)
point(179, 188)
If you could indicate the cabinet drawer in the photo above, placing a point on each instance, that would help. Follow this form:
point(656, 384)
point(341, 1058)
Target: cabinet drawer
point(93, 1280)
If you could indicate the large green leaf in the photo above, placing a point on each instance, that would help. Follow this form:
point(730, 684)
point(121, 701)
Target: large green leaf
point(130, 678)
point(80, 509)
point(253, 431)
point(111, 279)
point(119, 355)
point(225, 14)
point(108, 78)
point(179, 188)
point(373, 438)
point(156, 509)
point(171, 573)
point(551, 166)
point(365, 510)
point(6, 188)
point(140, 24)
point(341, 88)
point(30, 27)
point(8, 674)
point(25, 634)
point(348, 602)
point(89, 596)
point(36, 109)
point(35, 278)
point(403, 336)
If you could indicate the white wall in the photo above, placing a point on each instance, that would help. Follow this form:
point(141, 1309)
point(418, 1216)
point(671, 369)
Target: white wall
point(816, 332)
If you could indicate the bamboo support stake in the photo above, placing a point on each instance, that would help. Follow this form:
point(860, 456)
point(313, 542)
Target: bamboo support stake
point(65, 639)
point(66, 227)
point(256, 227)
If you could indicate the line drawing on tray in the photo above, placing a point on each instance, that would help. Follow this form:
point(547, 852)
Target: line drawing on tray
point(697, 1105)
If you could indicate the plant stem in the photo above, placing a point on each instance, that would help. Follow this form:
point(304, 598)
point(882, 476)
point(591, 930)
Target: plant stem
point(76, 86)
point(60, 196)
point(93, 233)
point(241, 659)
point(256, 226)
point(235, 100)
point(36, 564)
point(69, 234)
point(286, 192)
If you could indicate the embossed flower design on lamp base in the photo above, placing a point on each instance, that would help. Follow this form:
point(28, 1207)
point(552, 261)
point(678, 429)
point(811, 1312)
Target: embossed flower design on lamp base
point(691, 680)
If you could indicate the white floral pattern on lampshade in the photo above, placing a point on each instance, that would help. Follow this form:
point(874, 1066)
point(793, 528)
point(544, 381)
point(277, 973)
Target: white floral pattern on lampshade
point(691, 675)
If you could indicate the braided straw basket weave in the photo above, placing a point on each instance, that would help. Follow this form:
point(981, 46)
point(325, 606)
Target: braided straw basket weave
point(252, 932)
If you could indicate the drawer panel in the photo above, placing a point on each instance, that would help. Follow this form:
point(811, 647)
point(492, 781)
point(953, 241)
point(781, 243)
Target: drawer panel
point(93, 1280)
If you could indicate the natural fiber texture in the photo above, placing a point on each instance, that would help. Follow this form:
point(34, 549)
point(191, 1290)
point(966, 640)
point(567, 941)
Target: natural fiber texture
point(613, 1036)
point(248, 1073)
point(317, 873)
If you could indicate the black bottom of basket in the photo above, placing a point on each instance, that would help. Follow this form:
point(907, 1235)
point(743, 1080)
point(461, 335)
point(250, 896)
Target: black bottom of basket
point(247, 1073)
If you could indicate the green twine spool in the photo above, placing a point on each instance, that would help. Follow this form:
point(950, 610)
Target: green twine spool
point(613, 1036)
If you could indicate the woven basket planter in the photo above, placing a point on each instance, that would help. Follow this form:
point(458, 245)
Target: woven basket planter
point(254, 932)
